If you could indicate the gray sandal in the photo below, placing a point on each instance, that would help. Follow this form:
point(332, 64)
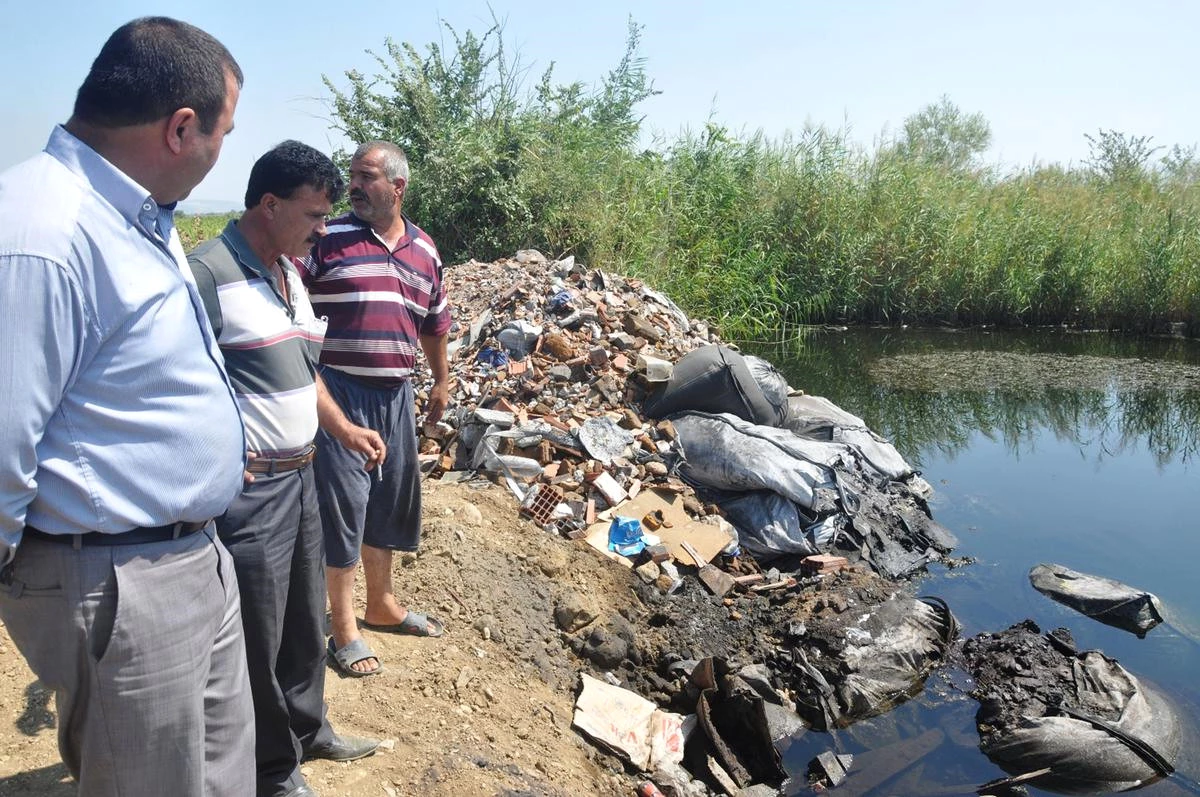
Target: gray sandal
point(414, 624)
point(354, 652)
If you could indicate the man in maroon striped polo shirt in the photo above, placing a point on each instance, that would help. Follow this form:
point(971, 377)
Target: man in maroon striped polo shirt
point(377, 278)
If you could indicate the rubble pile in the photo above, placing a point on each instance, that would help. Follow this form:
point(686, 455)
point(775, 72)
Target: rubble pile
point(581, 389)
point(549, 360)
point(562, 390)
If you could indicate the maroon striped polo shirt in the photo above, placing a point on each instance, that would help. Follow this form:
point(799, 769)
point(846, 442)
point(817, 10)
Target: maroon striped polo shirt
point(378, 302)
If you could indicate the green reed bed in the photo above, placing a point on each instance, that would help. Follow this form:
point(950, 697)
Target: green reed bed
point(764, 235)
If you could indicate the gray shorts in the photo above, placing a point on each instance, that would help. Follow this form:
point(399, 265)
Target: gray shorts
point(356, 506)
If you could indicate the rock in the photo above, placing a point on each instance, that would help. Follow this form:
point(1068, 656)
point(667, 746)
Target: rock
point(605, 648)
point(640, 327)
point(621, 341)
point(837, 602)
point(648, 572)
point(498, 418)
point(574, 612)
point(484, 625)
point(609, 388)
point(552, 562)
point(470, 515)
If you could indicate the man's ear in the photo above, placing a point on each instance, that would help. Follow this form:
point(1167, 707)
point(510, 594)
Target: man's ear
point(270, 203)
point(180, 125)
point(400, 185)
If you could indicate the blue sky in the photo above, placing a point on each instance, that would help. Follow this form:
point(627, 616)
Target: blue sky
point(1042, 73)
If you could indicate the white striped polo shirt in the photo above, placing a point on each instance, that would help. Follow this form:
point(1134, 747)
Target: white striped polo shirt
point(270, 350)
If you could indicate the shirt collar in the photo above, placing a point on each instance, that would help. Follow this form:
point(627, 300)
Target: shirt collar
point(121, 191)
point(405, 239)
point(236, 241)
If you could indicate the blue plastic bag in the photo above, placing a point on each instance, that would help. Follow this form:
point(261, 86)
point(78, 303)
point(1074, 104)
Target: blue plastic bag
point(559, 300)
point(625, 536)
point(493, 357)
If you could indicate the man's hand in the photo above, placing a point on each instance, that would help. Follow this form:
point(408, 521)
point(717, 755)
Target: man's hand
point(439, 397)
point(366, 442)
point(356, 438)
point(247, 476)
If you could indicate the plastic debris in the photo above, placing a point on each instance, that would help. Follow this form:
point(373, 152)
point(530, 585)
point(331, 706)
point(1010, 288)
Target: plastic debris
point(625, 536)
point(1103, 599)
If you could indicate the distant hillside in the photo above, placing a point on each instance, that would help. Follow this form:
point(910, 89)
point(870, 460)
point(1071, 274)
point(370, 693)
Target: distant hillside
point(198, 207)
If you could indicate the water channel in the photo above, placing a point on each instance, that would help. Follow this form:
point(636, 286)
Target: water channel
point(1081, 449)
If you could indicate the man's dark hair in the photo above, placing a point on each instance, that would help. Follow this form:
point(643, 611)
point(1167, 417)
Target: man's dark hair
point(151, 67)
point(287, 167)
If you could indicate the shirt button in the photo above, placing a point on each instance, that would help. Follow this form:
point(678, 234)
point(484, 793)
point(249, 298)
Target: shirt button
point(147, 206)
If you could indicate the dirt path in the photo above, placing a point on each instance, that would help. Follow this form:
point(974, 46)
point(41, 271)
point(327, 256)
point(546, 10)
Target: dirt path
point(485, 710)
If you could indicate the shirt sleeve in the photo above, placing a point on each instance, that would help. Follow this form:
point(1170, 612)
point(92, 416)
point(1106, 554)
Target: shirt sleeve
point(42, 329)
point(437, 321)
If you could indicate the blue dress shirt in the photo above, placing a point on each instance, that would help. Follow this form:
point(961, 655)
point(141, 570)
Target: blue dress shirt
point(115, 410)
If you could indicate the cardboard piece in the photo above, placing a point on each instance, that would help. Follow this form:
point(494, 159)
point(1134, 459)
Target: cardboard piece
point(708, 539)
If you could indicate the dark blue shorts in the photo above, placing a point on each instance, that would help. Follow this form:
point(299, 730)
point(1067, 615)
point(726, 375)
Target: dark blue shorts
point(356, 506)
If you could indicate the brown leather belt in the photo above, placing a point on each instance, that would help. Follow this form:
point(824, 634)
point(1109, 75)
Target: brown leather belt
point(139, 536)
point(273, 465)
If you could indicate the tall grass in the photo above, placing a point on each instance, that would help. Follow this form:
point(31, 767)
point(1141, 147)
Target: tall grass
point(196, 228)
point(763, 235)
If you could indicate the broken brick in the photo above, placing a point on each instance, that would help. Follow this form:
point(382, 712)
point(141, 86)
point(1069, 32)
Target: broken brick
point(818, 564)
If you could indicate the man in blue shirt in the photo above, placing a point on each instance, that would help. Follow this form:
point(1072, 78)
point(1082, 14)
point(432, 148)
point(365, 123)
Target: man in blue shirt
point(121, 436)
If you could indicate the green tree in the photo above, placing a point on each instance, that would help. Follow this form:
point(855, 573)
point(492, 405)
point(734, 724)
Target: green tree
point(492, 161)
point(1181, 166)
point(1119, 157)
point(941, 134)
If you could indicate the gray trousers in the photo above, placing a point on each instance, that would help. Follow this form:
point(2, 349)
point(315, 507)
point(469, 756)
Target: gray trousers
point(142, 645)
point(273, 532)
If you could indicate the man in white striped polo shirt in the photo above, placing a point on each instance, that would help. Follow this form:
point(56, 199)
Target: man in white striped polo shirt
point(271, 341)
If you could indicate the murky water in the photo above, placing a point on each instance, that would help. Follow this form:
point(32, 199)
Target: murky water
point(1078, 449)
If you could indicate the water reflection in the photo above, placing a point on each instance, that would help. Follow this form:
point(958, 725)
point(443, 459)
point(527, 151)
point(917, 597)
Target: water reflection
point(1043, 446)
point(929, 391)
